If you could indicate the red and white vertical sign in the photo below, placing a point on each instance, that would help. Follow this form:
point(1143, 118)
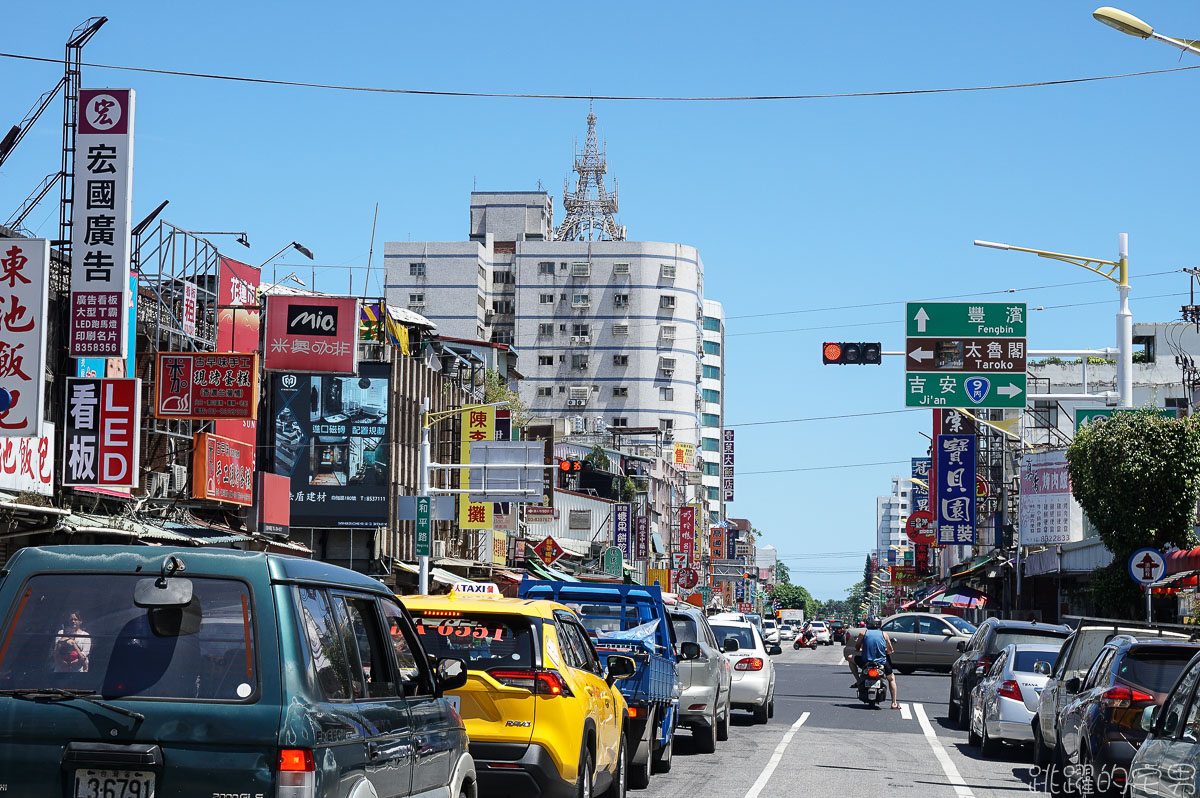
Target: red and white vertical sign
point(101, 208)
point(102, 432)
point(687, 531)
point(24, 283)
point(190, 299)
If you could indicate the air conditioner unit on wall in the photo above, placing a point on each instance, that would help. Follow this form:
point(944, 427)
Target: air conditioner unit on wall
point(158, 484)
point(439, 549)
point(180, 478)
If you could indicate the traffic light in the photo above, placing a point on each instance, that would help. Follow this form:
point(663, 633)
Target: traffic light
point(851, 353)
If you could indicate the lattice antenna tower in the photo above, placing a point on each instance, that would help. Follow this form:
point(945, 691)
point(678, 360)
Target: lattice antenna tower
point(590, 208)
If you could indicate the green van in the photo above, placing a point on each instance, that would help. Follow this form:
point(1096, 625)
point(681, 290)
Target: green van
point(148, 672)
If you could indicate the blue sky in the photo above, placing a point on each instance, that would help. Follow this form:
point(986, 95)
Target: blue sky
point(795, 206)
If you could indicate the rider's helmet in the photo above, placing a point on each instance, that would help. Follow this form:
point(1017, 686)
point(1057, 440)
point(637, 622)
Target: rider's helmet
point(872, 623)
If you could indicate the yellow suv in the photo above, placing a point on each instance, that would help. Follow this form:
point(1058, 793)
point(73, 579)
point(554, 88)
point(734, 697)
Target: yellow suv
point(543, 715)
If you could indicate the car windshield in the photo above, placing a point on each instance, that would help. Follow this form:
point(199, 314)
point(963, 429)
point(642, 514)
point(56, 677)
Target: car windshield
point(959, 623)
point(1154, 669)
point(744, 635)
point(82, 631)
point(1006, 637)
point(768, 624)
point(1025, 660)
point(484, 640)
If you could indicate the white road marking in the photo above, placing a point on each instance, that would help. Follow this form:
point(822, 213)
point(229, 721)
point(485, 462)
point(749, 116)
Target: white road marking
point(941, 755)
point(905, 712)
point(765, 776)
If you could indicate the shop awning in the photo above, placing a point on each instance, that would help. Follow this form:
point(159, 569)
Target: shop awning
point(961, 597)
point(439, 575)
point(973, 569)
point(657, 543)
point(543, 571)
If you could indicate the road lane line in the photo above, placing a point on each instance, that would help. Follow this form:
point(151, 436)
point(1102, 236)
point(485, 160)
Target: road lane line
point(765, 776)
point(905, 713)
point(941, 755)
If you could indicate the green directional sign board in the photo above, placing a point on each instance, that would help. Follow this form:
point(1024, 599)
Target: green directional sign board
point(925, 389)
point(424, 541)
point(1085, 416)
point(966, 319)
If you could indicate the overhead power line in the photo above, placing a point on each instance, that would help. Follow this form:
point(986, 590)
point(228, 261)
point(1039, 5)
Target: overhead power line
point(824, 467)
point(614, 97)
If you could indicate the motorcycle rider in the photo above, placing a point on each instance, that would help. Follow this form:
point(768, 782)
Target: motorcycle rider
point(874, 646)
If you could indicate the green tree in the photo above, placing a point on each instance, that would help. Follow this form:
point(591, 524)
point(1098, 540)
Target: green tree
point(795, 597)
point(597, 459)
point(1137, 476)
point(782, 575)
point(496, 390)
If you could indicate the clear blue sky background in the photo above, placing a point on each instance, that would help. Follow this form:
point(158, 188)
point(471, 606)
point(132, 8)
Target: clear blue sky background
point(796, 206)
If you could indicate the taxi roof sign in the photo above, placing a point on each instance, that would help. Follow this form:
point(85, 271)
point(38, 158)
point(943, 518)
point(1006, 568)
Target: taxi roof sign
point(476, 588)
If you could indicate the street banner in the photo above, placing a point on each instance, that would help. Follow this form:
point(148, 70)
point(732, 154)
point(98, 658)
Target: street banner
point(24, 288)
point(238, 317)
point(1049, 514)
point(478, 424)
point(687, 532)
point(499, 547)
point(727, 464)
point(684, 456)
point(206, 385)
point(614, 562)
point(922, 560)
point(716, 543)
point(731, 537)
point(622, 531)
point(223, 470)
point(955, 489)
point(330, 436)
point(312, 334)
point(27, 464)
point(190, 300)
point(102, 433)
point(919, 494)
point(100, 222)
point(641, 547)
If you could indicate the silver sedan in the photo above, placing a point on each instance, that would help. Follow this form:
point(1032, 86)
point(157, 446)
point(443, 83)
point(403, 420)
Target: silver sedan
point(1005, 700)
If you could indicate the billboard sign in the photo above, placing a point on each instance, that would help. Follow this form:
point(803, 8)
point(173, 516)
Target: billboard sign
point(955, 514)
point(102, 434)
point(101, 208)
point(190, 300)
point(223, 470)
point(477, 424)
point(24, 288)
point(687, 531)
point(27, 464)
point(684, 456)
point(919, 495)
point(716, 543)
point(330, 436)
point(312, 334)
point(237, 330)
point(274, 505)
point(1049, 514)
point(622, 530)
point(641, 544)
point(206, 385)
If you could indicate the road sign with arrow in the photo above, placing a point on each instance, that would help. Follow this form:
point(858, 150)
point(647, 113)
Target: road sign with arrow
point(965, 354)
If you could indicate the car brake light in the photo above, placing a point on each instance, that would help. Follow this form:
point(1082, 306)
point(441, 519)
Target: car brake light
point(983, 664)
point(539, 682)
point(1010, 689)
point(749, 664)
point(1122, 696)
point(297, 774)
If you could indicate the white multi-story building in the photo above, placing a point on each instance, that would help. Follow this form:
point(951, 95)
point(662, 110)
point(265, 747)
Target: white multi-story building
point(891, 513)
point(712, 405)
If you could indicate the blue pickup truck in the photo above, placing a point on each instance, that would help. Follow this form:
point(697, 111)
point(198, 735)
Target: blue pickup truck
point(630, 620)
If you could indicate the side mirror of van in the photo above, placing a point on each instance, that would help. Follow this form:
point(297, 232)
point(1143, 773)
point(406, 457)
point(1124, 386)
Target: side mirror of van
point(1150, 717)
point(689, 650)
point(451, 674)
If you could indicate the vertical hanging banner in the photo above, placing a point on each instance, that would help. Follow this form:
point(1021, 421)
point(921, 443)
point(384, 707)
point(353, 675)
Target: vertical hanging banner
point(919, 495)
point(955, 490)
point(478, 424)
point(727, 465)
point(237, 329)
point(641, 549)
point(24, 287)
point(102, 433)
point(687, 531)
point(622, 538)
point(101, 208)
point(190, 300)
point(716, 543)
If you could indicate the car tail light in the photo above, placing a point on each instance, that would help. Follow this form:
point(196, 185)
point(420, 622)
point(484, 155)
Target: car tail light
point(697, 707)
point(297, 774)
point(983, 664)
point(540, 682)
point(749, 664)
point(1122, 696)
point(1010, 689)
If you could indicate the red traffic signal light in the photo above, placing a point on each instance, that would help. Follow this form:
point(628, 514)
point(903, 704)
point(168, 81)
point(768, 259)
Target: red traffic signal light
point(570, 465)
point(856, 353)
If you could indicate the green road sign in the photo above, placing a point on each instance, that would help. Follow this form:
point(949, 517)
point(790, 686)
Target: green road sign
point(613, 561)
point(1085, 416)
point(424, 542)
point(964, 390)
point(966, 319)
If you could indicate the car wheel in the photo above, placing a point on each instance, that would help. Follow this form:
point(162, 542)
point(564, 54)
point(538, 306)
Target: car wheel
point(620, 780)
point(771, 707)
point(952, 705)
point(906, 670)
point(988, 747)
point(964, 710)
point(704, 737)
point(584, 783)
point(1041, 751)
point(760, 713)
point(723, 724)
point(972, 737)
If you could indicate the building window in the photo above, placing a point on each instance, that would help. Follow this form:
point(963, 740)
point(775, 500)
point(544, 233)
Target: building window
point(711, 324)
point(621, 268)
point(503, 306)
point(620, 360)
point(1044, 414)
point(620, 391)
point(503, 278)
point(1178, 404)
point(666, 424)
point(666, 270)
point(546, 299)
point(544, 392)
point(714, 494)
point(666, 302)
point(620, 329)
point(580, 300)
point(712, 469)
point(666, 394)
point(482, 273)
point(502, 336)
point(545, 360)
point(712, 372)
point(546, 267)
point(416, 299)
point(712, 348)
point(545, 329)
point(620, 300)
point(620, 421)
point(710, 445)
point(579, 361)
point(416, 270)
point(710, 420)
point(709, 395)
point(562, 389)
point(580, 330)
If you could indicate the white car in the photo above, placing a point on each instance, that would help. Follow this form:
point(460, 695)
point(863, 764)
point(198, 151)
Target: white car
point(786, 632)
point(753, 672)
point(1005, 700)
point(824, 636)
point(770, 632)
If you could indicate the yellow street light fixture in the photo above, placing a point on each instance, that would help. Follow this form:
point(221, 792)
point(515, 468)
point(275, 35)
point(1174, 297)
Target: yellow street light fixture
point(1127, 23)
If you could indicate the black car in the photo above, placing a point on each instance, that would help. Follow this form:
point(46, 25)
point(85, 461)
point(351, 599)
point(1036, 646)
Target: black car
point(992, 636)
point(838, 629)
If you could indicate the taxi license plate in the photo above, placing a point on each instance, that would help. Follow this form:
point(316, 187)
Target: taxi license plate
point(90, 783)
point(455, 702)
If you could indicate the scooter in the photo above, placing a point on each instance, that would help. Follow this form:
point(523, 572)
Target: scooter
point(873, 687)
point(806, 640)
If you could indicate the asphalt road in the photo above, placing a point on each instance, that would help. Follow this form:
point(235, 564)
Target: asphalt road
point(824, 742)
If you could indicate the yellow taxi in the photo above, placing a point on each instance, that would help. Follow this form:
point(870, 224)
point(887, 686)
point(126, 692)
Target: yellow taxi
point(543, 715)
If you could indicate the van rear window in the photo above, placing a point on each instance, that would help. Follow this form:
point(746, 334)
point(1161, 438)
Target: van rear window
point(485, 640)
point(84, 632)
